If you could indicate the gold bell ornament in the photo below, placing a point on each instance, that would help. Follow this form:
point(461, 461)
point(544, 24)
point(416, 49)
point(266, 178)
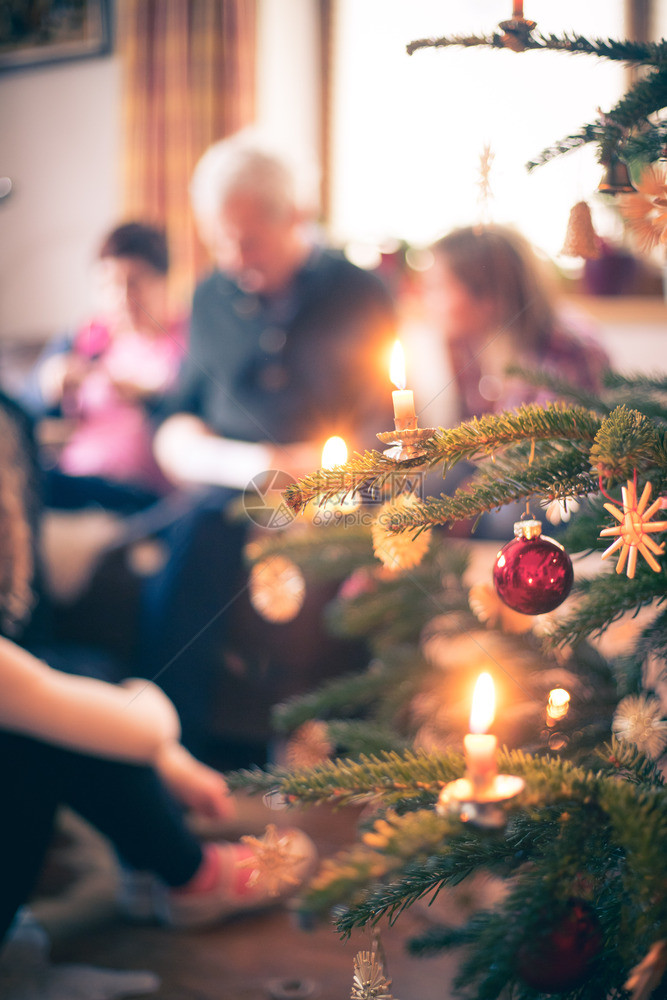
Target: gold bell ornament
point(581, 240)
point(616, 178)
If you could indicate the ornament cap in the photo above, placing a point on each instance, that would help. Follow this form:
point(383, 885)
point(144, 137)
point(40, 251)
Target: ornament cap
point(528, 528)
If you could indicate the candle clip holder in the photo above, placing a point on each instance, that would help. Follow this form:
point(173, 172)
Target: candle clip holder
point(479, 804)
point(407, 443)
point(517, 32)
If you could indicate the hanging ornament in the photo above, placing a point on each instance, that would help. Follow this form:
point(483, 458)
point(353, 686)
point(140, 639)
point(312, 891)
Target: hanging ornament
point(560, 511)
point(277, 589)
point(616, 178)
point(638, 719)
point(489, 609)
point(581, 240)
point(560, 955)
point(633, 530)
point(398, 550)
point(309, 745)
point(533, 573)
point(645, 210)
point(273, 861)
point(370, 982)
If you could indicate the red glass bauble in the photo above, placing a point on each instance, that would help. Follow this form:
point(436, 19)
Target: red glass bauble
point(532, 573)
point(560, 952)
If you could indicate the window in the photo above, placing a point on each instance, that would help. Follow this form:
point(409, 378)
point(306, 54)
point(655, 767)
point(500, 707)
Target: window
point(408, 131)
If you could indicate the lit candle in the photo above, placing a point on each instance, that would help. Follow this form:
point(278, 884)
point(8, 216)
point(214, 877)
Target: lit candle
point(334, 453)
point(558, 705)
point(480, 746)
point(405, 417)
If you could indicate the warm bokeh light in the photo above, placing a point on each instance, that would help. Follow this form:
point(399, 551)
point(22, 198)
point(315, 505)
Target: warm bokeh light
point(558, 704)
point(334, 453)
point(397, 366)
point(483, 704)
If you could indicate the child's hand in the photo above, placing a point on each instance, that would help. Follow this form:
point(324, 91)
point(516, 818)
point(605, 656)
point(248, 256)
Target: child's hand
point(195, 785)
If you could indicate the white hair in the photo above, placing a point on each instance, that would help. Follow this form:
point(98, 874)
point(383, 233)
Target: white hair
point(248, 162)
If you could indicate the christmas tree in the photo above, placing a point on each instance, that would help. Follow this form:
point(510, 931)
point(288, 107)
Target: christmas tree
point(578, 837)
point(582, 845)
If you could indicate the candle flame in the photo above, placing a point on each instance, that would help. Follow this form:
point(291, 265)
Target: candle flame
point(558, 704)
point(397, 366)
point(334, 453)
point(483, 704)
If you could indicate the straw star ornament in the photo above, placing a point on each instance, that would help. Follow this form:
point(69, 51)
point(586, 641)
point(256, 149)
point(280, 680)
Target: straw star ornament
point(370, 982)
point(272, 861)
point(634, 529)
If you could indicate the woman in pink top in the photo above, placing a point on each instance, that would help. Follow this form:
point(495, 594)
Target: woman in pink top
point(111, 374)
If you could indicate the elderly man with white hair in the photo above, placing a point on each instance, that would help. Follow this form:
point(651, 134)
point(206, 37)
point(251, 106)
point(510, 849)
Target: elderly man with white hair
point(288, 337)
point(289, 344)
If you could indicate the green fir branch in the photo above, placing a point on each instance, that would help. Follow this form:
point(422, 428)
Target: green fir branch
point(623, 758)
point(345, 780)
point(370, 469)
point(486, 435)
point(482, 436)
point(465, 41)
point(476, 499)
point(646, 144)
point(453, 860)
point(631, 52)
point(648, 95)
point(592, 132)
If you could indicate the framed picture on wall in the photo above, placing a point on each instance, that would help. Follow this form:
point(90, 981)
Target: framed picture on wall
point(40, 32)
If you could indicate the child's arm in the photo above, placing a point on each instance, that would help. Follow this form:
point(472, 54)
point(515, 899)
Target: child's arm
point(129, 722)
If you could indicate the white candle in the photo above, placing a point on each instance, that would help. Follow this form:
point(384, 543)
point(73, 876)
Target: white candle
point(480, 747)
point(405, 417)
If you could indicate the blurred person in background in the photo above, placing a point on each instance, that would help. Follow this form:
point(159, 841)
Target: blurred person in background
point(110, 752)
point(289, 345)
point(491, 300)
point(106, 378)
point(492, 305)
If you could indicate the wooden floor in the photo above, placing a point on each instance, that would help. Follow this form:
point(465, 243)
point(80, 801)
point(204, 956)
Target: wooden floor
point(244, 959)
point(259, 955)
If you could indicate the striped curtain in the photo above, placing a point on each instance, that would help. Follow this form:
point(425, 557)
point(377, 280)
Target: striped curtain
point(188, 79)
